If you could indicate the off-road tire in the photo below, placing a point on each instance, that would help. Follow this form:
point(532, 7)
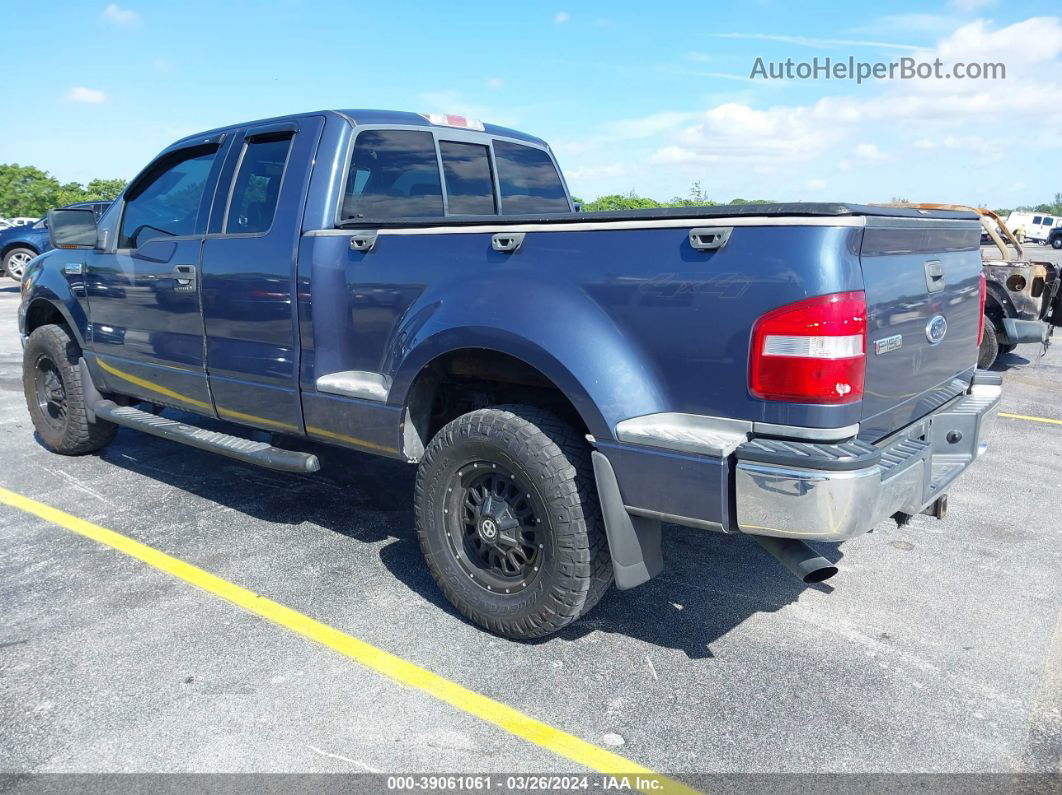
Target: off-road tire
point(549, 459)
point(51, 349)
point(1006, 348)
point(1056, 242)
point(989, 350)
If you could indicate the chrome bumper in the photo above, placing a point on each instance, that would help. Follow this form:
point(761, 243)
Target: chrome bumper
point(911, 470)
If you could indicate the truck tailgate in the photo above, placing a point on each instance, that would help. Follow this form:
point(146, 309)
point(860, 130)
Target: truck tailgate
point(917, 271)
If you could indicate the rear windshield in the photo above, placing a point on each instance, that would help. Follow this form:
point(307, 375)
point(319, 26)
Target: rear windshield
point(529, 180)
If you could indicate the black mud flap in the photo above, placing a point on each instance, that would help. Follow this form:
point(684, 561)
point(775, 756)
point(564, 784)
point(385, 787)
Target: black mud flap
point(633, 541)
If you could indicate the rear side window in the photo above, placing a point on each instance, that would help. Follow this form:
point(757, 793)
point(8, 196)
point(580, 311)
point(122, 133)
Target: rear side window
point(1048, 220)
point(166, 201)
point(257, 186)
point(529, 180)
point(393, 174)
point(469, 184)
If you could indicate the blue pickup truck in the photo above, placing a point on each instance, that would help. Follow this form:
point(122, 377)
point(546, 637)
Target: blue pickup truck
point(422, 287)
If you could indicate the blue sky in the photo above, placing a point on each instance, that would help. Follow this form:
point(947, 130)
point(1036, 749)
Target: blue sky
point(633, 96)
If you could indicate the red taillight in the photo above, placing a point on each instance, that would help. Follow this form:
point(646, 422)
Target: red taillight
point(981, 320)
point(812, 351)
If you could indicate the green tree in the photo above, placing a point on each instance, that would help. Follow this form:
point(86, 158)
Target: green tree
point(25, 190)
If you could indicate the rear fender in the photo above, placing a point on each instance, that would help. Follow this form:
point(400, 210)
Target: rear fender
point(604, 375)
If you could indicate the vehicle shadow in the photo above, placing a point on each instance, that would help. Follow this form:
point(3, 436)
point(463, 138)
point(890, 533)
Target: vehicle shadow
point(1008, 361)
point(711, 583)
point(15, 289)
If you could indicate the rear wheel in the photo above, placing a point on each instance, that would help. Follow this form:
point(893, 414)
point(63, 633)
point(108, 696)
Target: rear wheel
point(51, 380)
point(989, 351)
point(1007, 348)
point(16, 260)
point(1056, 242)
point(508, 521)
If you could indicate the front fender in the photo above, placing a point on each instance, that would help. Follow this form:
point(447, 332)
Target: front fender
point(48, 284)
point(561, 333)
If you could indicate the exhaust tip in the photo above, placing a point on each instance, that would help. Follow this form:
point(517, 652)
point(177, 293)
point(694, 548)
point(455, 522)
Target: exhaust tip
point(820, 575)
point(800, 559)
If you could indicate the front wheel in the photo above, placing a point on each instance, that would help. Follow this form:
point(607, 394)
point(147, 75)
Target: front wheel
point(16, 260)
point(51, 379)
point(508, 521)
point(989, 350)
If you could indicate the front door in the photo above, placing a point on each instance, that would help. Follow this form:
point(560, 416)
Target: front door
point(143, 291)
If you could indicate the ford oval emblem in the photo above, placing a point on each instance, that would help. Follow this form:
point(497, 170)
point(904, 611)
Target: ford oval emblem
point(936, 328)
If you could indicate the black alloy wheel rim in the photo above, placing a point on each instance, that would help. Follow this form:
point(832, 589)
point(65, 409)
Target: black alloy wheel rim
point(493, 527)
point(51, 393)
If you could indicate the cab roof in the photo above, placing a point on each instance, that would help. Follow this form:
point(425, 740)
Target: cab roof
point(365, 116)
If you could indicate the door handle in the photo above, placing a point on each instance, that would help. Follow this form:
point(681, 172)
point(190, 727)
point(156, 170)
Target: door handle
point(184, 279)
point(507, 241)
point(363, 241)
point(710, 238)
point(934, 276)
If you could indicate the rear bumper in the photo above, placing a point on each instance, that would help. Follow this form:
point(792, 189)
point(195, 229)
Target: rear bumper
point(1017, 331)
point(832, 492)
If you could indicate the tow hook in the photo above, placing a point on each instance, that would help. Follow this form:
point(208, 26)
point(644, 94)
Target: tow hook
point(939, 508)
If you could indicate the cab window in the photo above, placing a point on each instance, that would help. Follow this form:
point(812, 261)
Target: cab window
point(166, 201)
point(469, 182)
point(257, 187)
point(393, 174)
point(529, 180)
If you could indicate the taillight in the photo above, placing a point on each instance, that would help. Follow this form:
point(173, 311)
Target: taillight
point(981, 320)
point(811, 351)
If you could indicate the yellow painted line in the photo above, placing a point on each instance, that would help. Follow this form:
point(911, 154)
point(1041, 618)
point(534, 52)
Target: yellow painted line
point(1029, 418)
point(157, 388)
point(342, 437)
point(402, 671)
point(239, 415)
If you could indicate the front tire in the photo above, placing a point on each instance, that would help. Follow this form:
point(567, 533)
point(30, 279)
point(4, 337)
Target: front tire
point(51, 380)
point(16, 260)
point(508, 521)
point(989, 350)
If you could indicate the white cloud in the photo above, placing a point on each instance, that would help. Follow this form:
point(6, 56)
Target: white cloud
point(117, 15)
point(163, 65)
point(869, 152)
point(495, 82)
point(807, 41)
point(561, 17)
point(815, 184)
point(605, 171)
point(82, 94)
point(969, 6)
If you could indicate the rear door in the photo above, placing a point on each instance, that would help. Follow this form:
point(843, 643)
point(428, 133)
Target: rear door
point(146, 326)
point(248, 274)
point(922, 280)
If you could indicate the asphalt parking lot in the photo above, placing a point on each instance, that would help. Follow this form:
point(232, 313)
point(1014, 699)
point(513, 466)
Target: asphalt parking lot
point(937, 648)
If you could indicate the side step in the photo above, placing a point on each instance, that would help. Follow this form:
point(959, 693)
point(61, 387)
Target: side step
point(259, 453)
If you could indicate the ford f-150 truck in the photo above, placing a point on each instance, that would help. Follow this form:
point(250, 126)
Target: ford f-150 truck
point(422, 287)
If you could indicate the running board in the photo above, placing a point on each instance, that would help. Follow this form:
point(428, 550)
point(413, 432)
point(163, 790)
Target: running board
point(260, 453)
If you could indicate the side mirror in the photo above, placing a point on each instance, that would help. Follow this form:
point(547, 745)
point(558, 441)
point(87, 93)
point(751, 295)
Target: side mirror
point(72, 228)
